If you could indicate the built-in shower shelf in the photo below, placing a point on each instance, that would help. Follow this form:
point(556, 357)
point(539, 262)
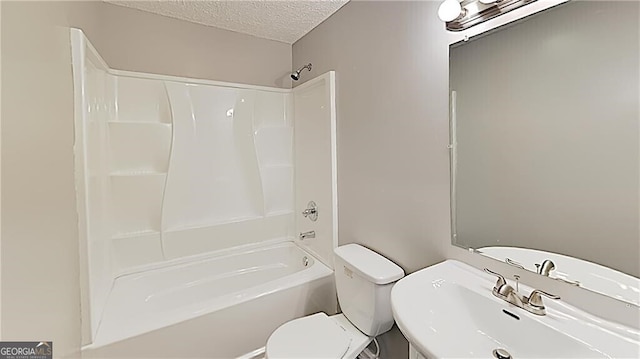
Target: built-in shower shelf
point(134, 234)
point(136, 201)
point(145, 123)
point(277, 165)
point(136, 173)
point(277, 213)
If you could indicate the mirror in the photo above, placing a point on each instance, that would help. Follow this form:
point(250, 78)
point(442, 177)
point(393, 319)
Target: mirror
point(545, 145)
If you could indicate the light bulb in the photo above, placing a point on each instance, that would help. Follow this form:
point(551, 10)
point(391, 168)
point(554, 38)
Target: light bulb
point(449, 10)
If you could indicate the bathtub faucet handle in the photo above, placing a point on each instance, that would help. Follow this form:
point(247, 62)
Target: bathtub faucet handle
point(310, 234)
point(311, 212)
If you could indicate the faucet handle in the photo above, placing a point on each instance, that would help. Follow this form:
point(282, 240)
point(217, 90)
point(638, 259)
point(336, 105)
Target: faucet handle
point(311, 212)
point(570, 282)
point(501, 281)
point(511, 262)
point(535, 299)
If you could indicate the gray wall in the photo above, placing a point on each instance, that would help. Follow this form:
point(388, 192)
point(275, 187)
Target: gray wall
point(393, 169)
point(391, 62)
point(391, 66)
point(40, 291)
point(40, 284)
point(135, 40)
point(547, 118)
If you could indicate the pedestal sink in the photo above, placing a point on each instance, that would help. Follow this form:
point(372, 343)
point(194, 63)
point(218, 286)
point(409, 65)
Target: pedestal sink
point(449, 311)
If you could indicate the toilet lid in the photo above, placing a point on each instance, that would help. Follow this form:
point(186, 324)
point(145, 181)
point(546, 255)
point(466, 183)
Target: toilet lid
point(315, 336)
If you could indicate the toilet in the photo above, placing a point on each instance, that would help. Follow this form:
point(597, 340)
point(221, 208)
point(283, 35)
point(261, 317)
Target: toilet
point(363, 282)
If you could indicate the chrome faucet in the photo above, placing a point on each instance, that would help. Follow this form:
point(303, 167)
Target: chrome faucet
point(504, 291)
point(532, 304)
point(545, 268)
point(311, 212)
point(305, 235)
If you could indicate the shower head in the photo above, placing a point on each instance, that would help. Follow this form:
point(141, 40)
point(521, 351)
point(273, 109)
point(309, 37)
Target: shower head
point(296, 74)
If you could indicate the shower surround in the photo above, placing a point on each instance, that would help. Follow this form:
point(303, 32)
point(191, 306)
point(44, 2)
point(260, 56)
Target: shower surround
point(176, 177)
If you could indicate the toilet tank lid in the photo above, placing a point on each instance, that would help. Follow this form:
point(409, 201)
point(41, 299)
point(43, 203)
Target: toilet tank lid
point(369, 264)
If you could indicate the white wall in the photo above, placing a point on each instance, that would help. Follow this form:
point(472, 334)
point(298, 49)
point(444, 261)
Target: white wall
point(216, 170)
point(93, 104)
point(315, 165)
point(391, 63)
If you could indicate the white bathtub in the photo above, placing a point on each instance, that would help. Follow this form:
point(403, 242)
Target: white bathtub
point(218, 307)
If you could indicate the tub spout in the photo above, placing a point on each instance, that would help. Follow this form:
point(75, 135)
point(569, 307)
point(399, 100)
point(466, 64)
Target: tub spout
point(305, 235)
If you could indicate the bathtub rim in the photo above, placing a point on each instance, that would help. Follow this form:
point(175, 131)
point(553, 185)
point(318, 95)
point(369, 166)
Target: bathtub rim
point(201, 257)
point(317, 271)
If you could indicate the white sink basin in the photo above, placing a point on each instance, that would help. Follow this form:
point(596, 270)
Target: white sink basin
point(448, 311)
point(590, 275)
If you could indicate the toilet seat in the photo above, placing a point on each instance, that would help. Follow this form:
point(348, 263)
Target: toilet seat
point(314, 336)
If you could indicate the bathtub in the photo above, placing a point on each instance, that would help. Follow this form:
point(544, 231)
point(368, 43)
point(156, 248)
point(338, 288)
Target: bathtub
point(221, 306)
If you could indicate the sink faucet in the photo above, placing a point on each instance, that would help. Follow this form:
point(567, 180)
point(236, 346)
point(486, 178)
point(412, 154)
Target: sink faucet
point(545, 268)
point(532, 303)
point(506, 292)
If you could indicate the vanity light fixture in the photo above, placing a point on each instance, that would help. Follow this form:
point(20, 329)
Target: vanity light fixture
point(450, 10)
point(462, 14)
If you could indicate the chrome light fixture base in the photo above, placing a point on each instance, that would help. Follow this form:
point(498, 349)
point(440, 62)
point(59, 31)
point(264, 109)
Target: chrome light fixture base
point(474, 12)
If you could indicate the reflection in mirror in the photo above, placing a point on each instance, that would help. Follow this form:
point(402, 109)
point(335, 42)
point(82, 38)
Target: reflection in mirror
point(545, 156)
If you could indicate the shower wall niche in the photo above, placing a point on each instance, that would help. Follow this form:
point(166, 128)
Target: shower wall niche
point(138, 140)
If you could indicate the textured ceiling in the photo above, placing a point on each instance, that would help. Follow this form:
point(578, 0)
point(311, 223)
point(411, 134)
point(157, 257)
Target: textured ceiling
point(281, 20)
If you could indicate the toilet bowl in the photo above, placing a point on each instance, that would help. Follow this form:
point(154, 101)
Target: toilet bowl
point(317, 336)
point(363, 282)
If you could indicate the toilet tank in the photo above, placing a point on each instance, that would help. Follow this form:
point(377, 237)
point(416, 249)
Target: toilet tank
point(364, 280)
